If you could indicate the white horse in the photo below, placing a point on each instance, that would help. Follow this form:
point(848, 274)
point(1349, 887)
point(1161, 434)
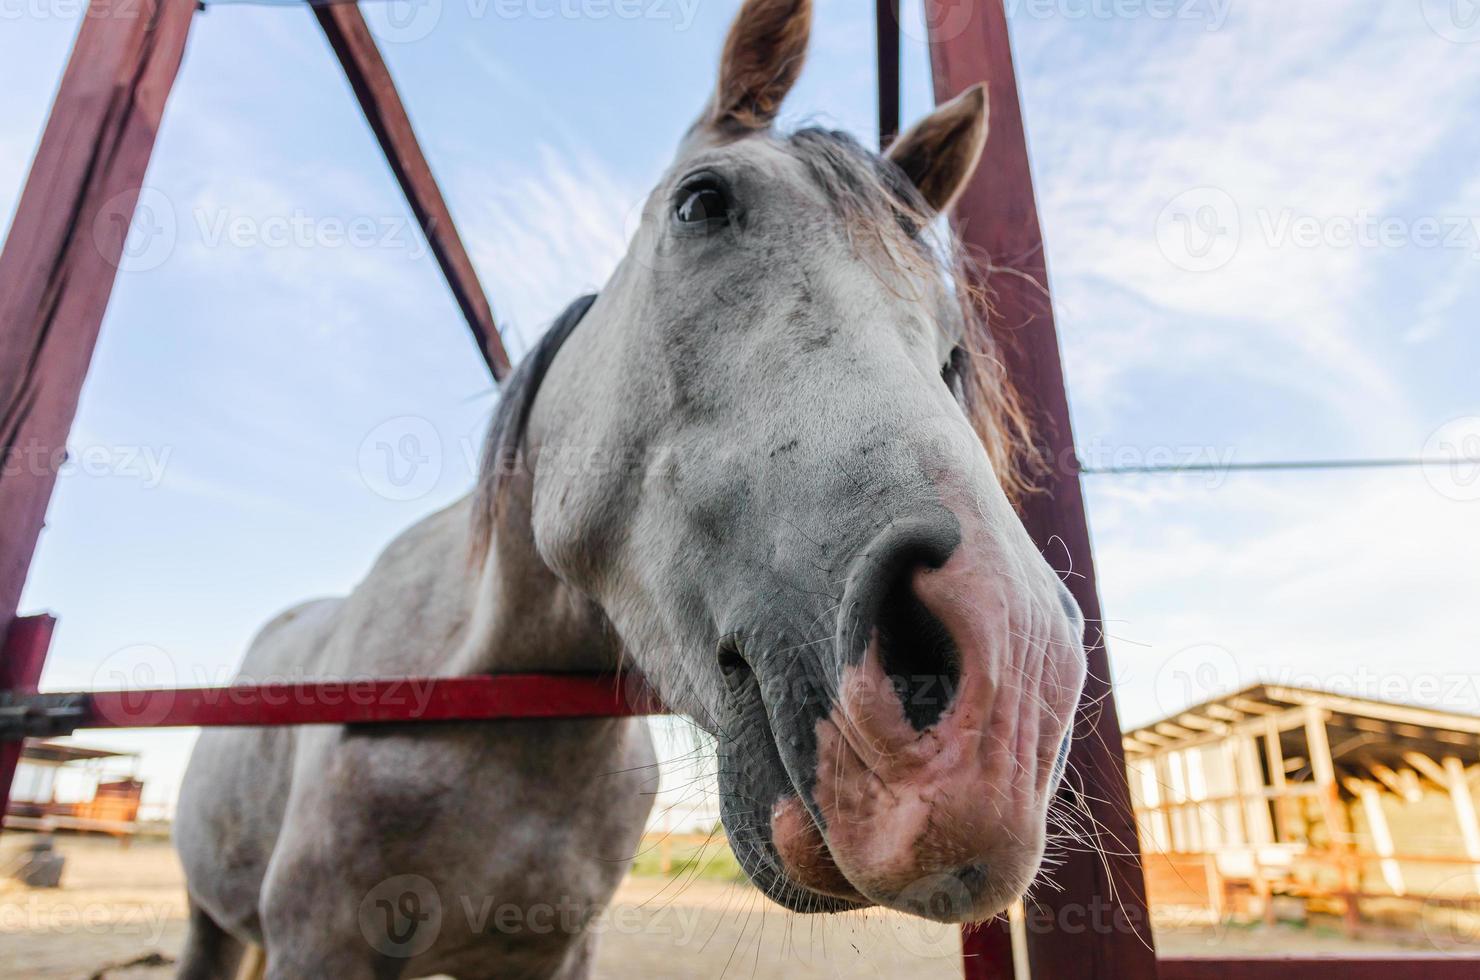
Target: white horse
point(768, 469)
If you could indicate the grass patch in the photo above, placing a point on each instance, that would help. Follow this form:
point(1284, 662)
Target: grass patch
point(688, 856)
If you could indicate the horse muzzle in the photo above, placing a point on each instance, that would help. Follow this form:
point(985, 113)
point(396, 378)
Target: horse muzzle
point(941, 746)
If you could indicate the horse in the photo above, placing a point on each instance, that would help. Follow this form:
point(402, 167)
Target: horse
point(770, 470)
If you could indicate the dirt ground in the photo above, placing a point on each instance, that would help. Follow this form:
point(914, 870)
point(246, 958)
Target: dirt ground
point(117, 905)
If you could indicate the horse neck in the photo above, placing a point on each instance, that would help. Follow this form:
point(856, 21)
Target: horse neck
point(524, 619)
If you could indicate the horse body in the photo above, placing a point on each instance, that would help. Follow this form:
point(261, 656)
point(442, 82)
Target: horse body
point(327, 844)
point(767, 469)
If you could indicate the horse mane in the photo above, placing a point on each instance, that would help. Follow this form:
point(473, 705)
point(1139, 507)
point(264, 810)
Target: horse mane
point(885, 214)
point(503, 447)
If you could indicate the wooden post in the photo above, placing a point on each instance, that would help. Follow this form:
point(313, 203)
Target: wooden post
point(1382, 836)
point(1276, 755)
point(1323, 769)
point(373, 86)
point(1095, 924)
point(1464, 810)
point(60, 259)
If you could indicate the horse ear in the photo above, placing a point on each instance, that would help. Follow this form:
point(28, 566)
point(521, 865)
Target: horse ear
point(941, 151)
point(762, 58)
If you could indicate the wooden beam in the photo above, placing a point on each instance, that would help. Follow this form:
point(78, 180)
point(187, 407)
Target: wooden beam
point(65, 243)
point(1199, 723)
point(1403, 784)
point(1428, 768)
point(1175, 731)
point(1251, 707)
point(373, 86)
point(1223, 712)
point(1097, 923)
point(1420, 718)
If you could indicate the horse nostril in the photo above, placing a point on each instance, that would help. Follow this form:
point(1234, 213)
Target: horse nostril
point(732, 665)
point(917, 652)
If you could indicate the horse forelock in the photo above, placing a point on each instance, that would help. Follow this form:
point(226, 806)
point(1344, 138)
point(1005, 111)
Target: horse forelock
point(503, 447)
point(885, 215)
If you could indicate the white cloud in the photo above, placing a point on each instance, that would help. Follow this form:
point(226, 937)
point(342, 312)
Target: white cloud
point(1311, 110)
point(1363, 584)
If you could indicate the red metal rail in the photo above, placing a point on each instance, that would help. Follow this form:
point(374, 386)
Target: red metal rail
point(401, 700)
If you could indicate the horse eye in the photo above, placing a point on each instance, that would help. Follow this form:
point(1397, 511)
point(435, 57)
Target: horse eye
point(702, 203)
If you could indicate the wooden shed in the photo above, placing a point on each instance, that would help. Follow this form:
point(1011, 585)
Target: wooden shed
point(111, 806)
point(1339, 803)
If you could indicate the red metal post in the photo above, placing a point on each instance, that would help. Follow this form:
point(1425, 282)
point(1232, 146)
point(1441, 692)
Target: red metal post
point(373, 86)
point(886, 38)
point(21, 660)
point(1094, 925)
point(60, 259)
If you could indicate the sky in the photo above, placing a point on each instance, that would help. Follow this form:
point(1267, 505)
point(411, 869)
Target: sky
point(1263, 232)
